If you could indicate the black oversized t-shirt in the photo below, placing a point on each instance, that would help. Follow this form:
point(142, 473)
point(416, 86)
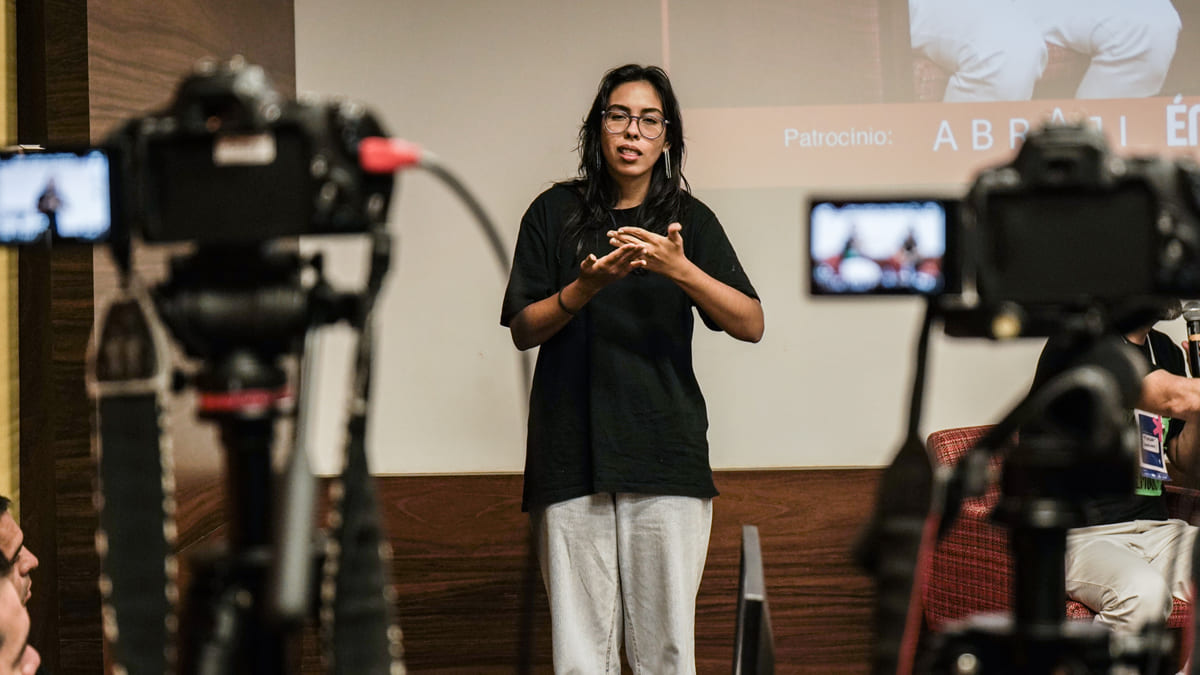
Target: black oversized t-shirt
point(1159, 352)
point(615, 405)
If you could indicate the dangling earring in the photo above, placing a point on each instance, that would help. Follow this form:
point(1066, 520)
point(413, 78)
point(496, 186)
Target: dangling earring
point(667, 156)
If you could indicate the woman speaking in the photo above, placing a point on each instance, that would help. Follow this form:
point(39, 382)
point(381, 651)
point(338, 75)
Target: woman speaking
point(607, 270)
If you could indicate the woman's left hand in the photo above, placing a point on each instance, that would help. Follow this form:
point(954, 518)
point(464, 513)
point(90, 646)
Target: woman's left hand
point(735, 312)
point(663, 255)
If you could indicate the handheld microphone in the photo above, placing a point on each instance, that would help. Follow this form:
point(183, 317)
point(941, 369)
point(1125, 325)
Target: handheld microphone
point(1191, 314)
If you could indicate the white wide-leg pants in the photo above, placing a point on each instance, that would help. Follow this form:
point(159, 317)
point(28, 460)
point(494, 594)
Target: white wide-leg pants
point(623, 567)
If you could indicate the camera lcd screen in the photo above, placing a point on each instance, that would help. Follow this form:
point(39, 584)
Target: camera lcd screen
point(877, 247)
point(1071, 246)
point(65, 195)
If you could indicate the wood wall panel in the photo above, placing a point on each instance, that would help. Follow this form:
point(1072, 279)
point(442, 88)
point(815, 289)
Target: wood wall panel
point(140, 49)
point(463, 572)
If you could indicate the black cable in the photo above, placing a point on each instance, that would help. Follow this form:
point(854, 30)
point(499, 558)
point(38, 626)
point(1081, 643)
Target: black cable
point(896, 542)
point(918, 389)
point(430, 163)
point(433, 165)
point(362, 636)
point(378, 155)
point(491, 233)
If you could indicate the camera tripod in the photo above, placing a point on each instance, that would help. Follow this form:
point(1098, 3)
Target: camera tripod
point(1075, 444)
point(245, 313)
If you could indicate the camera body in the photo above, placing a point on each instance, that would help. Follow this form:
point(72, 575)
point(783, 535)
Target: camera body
point(229, 161)
point(1066, 227)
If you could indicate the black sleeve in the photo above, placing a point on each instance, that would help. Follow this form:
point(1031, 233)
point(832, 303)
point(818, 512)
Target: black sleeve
point(532, 276)
point(1055, 357)
point(711, 251)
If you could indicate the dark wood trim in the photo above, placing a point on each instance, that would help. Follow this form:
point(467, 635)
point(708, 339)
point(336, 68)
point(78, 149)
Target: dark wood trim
point(37, 468)
point(31, 71)
point(54, 321)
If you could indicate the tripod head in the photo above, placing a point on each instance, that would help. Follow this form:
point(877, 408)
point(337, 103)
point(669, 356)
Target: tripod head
point(218, 300)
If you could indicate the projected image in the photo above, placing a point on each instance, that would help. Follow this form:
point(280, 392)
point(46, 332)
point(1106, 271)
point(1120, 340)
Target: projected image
point(982, 50)
point(837, 52)
point(884, 248)
point(64, 194)
point(863, 93)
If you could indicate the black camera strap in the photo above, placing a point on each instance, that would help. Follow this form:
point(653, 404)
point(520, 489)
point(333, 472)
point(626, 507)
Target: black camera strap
point(134, 491)
point(896, 545)
point(362, 636)
point(360, 633)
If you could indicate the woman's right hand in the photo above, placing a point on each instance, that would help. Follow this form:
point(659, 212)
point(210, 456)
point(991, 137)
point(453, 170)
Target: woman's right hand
point(597, 273)
point(541, 320)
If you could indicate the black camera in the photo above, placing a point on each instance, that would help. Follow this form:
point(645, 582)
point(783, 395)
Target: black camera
point(1065, 227)
point(229, 161)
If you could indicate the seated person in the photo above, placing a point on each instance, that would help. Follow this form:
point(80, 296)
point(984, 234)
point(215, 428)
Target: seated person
point(1129, 558)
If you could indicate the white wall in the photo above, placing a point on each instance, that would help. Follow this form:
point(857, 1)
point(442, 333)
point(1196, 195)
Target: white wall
point(497, 89)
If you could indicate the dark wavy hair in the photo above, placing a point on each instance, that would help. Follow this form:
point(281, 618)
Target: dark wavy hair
point(597, 189)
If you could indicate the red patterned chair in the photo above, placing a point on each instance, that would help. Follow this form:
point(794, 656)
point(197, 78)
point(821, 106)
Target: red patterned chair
point(971, 568)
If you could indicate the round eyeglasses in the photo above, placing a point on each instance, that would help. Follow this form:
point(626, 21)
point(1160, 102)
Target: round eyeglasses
point(649, 126)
